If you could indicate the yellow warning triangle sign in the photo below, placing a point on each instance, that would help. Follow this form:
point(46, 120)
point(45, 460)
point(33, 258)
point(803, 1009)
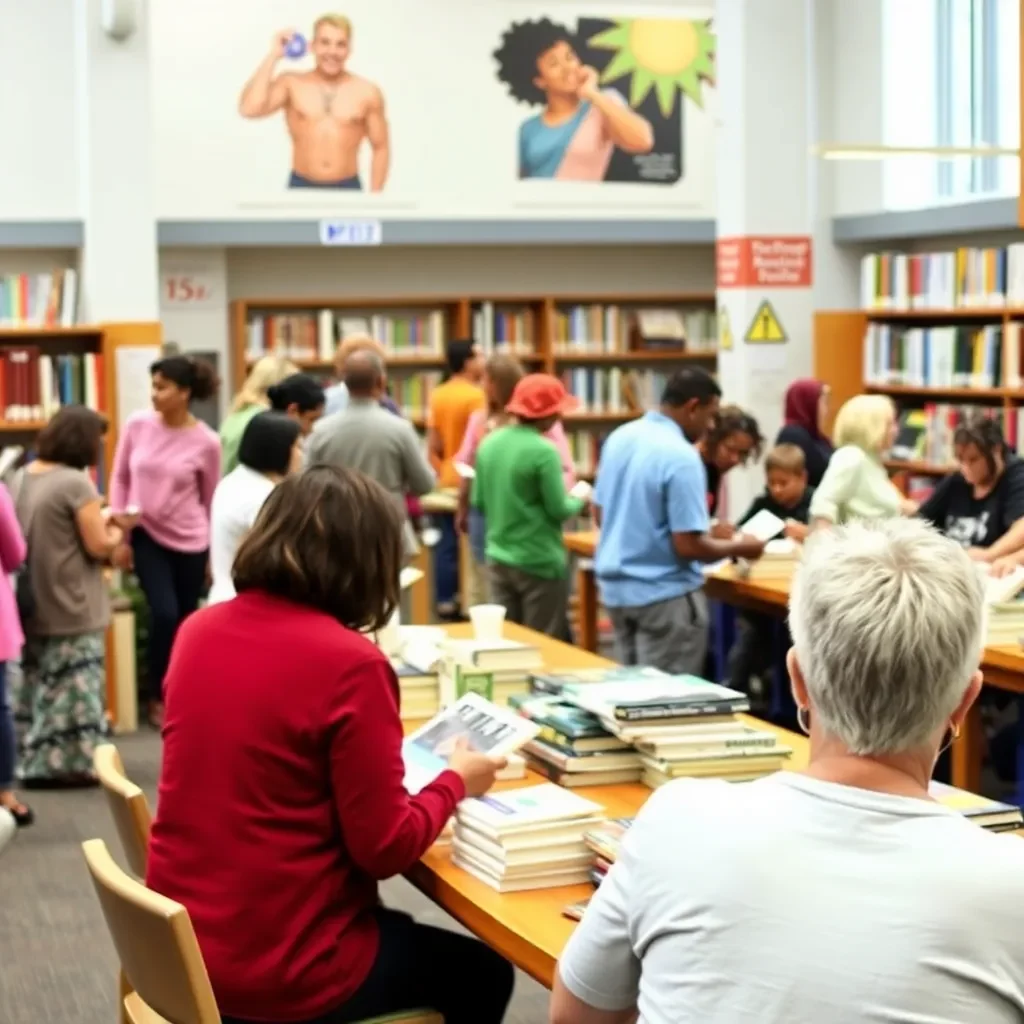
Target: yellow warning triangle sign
point(765, 328)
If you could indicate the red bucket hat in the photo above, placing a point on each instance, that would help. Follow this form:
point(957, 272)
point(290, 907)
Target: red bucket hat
point(539, 395)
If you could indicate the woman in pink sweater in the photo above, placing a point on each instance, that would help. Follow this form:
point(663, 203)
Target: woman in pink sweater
point(165, 472)
point(501, 375)
point(12, 555)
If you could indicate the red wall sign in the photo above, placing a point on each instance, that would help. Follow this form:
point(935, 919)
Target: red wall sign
point(764, 261)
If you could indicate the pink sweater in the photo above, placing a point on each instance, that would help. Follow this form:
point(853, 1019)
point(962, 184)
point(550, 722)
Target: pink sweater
point(170, 475)
point(12, 555)
point(476, 431)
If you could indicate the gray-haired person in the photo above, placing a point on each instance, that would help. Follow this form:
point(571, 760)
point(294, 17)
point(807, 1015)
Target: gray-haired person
point(843, 892)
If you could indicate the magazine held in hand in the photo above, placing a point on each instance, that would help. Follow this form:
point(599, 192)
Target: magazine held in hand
point(488, 728)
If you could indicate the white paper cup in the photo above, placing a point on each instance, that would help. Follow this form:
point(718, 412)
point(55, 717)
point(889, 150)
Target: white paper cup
point(487, 620)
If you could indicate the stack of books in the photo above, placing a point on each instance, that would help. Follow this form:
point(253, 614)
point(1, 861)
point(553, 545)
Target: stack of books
point(989, 814)
point(416, 668)
point(573, 747)
point(496, 669)
point(528, 838)
point(777, 563)
point(683, 727)
point(554, 682)
point(1005, 620)
point(604, 841)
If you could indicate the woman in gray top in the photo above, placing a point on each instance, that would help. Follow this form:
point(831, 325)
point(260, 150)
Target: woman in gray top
point(60, 702)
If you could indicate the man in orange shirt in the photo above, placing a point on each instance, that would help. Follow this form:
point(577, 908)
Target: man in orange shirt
point(451, 405)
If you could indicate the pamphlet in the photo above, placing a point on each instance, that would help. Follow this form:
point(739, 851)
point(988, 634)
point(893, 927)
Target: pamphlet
point(490, 729)
point(764, 525)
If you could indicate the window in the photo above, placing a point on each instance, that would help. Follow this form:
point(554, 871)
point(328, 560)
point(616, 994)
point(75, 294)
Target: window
point(950, 71)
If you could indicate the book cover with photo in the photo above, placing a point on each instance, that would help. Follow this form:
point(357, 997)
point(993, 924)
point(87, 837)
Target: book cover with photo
point(488, 728)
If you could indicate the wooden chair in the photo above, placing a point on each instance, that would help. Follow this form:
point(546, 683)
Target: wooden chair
point(128, 806)
point(160, 957)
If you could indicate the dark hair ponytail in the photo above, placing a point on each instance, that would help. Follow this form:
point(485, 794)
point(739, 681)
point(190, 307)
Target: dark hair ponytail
point(196, 376)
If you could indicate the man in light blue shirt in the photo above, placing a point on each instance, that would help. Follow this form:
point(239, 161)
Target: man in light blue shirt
point(651, 505)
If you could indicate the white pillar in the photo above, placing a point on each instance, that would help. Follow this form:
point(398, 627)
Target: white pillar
point(119, 254)
point(775, 249)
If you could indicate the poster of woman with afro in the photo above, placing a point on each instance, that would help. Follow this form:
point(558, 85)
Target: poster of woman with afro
point(612, 94)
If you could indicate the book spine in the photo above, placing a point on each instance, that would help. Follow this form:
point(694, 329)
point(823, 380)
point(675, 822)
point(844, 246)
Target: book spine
point(634, 714)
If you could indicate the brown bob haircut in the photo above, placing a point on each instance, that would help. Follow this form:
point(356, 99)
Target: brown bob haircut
point(330, 538)
point(72, 437)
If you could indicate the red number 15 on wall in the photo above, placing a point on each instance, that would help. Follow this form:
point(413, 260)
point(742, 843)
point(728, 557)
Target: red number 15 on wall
point(186, 290)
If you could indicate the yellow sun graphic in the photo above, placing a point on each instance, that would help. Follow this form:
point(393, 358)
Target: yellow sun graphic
point(665, 55)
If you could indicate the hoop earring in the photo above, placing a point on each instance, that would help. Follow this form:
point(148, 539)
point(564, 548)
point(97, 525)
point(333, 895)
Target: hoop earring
point(953, 734)
point(803, 719)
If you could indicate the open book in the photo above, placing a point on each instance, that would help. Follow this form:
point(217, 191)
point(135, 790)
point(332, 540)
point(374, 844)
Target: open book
point(489, 729)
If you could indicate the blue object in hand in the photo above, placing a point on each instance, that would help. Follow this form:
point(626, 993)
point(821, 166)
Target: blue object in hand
point(296, 47)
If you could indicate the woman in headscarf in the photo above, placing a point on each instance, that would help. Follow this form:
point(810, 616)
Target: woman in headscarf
point(805, 412)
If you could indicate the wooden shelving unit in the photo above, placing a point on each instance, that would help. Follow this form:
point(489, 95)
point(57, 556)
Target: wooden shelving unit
point(839, 362)
point(539, 315)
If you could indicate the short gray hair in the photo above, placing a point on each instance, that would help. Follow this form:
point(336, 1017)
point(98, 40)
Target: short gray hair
point(888, 620)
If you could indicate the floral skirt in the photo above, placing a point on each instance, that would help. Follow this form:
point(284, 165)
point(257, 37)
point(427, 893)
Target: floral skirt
point(60, 705)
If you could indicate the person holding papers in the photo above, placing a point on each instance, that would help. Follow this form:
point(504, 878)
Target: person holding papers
point(651, 506)
point(787, 498)
point(845, 892)
point(281, 797)
point(981, 505)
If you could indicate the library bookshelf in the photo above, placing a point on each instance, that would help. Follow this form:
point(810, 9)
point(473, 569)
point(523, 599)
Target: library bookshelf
point(108, 342)
point(839, 361)
point(587, 340)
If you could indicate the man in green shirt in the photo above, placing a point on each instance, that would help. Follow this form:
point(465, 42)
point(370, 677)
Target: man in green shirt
point(520, 490)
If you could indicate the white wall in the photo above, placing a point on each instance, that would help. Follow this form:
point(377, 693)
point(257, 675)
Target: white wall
point(38, 166)
point(854, 73)
point(457, 270)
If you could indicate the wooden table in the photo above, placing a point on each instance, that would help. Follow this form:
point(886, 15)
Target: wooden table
point(1003, 667)
point(528, 928)
point(584, 544)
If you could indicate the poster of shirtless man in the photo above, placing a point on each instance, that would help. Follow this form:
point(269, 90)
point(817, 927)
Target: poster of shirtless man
point(329, 111)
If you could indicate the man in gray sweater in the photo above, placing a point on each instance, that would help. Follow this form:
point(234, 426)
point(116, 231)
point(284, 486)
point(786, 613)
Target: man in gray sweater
point(365, 436)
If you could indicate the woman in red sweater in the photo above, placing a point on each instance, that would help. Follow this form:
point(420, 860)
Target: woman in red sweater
point(281, 801)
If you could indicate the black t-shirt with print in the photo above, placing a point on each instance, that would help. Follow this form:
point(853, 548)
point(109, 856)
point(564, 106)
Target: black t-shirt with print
point(977, 522)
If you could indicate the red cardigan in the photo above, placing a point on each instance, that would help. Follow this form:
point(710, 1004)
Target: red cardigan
point(281, 802)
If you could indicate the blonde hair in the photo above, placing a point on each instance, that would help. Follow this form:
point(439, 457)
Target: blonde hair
point(338, 21)
point(864, 422)
point(266, 372)
point(787, 458)
point(357, 343)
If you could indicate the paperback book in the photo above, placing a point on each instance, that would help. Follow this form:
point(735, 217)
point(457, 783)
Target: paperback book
point(487, 727)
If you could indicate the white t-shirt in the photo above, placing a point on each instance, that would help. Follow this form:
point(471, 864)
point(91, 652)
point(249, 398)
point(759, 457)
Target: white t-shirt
point(236, 503)
point(795, 901)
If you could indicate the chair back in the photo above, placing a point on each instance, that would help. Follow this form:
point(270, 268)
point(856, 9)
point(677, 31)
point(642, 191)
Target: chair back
point(155, 942)
point(128, 805)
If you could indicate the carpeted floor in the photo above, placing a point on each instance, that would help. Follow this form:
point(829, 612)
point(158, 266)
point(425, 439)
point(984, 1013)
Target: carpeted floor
point(57, 965)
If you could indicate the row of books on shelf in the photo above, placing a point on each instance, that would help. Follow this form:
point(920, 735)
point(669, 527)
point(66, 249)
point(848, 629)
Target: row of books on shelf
point(307, 336)
point(499, 329)
point(614, 330)
point(33, 385)
point(613, 390)
point(39, 300)
point(966, 278)
point(943, 357)
point(926, 435)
